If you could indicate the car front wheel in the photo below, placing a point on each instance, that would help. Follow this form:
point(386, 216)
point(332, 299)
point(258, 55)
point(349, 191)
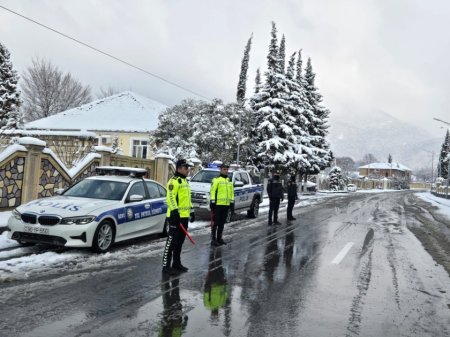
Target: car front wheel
point(165, 231)
point(103, 237)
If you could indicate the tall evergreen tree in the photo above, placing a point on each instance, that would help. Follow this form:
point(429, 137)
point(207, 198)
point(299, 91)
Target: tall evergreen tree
point(282, 55)
point(272, 133)
point(9, 95)
point(390, 159)
point(242, 84)
point(443, 156)
point(257, 81)
point(296, 118)
point(319, 128)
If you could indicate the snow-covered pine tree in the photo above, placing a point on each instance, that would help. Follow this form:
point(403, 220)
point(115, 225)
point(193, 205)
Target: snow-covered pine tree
point(319, 128)
point(443, 161)
point(257, 81)
point(242, 84)
point(282, 55)
point(273, 137)
point(335, 178)
point(296, 119)
point(390, 159)
point(306, 149)
point(10, 117)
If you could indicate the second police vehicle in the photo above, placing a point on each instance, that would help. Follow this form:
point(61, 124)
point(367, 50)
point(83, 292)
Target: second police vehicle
point(117, 205)
point(248, 191)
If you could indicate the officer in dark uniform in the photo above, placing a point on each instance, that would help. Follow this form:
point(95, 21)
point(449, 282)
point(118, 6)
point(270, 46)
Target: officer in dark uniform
point(179, 209)
point(292, 196)
point(276, 195)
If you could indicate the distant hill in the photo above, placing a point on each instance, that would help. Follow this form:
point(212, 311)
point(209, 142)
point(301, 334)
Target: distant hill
point(379, 133)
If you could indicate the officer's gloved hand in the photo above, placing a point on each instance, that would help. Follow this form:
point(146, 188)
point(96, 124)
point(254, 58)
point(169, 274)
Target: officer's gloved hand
point(175, 215)
point(211, 206)
point(192, 218)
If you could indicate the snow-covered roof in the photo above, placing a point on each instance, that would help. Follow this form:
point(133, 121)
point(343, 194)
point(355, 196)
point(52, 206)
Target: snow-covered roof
point(385, 166)
point(126, 112)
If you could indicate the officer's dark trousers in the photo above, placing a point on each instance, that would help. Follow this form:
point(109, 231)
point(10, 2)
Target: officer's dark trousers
point(290, 207)
point(274, 205)
point(220, 217)
point(174, 242)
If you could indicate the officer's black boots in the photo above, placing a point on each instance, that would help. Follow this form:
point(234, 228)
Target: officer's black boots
point(180, 267)
point(219, 236)
point(168, 271)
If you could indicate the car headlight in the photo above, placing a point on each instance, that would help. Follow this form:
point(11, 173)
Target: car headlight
point(16, 214)
point(77, 220)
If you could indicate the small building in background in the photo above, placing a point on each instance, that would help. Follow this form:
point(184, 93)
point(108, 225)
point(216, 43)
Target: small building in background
point(123, 121)
point(385, 170)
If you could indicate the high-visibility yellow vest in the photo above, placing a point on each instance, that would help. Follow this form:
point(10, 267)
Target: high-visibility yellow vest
point(222, 191)
point(179, 196)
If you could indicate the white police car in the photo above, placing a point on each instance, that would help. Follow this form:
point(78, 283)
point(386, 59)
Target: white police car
point(117, 205)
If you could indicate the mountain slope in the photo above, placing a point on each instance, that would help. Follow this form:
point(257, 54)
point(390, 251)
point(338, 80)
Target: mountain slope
point(381, 134)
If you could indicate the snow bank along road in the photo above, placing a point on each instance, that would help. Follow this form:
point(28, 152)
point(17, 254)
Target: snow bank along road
point(349, 265)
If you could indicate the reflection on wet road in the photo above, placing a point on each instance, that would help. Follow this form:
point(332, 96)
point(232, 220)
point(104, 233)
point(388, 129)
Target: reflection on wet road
point(347, 267)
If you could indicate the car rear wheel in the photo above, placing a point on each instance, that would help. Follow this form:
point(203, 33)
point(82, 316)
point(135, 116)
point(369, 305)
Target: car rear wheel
point(229, 215)
point(254, 209)
point(103, 237)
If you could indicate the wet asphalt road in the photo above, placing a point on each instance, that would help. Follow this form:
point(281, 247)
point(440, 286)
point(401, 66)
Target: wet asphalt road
point(347, 266)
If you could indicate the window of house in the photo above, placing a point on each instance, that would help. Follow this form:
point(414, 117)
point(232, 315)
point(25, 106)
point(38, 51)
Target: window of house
point(140, 148)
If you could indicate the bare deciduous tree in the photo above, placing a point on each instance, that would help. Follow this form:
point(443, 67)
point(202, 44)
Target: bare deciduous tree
point(108, 92)
point(47, 90)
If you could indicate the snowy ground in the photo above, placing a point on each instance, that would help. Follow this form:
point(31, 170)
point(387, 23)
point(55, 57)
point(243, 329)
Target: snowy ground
point(18, 262)
point(442, 204)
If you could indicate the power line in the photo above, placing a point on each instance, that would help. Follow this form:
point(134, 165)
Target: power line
point(105, 53)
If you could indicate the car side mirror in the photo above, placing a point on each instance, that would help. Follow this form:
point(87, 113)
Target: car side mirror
point(238, 184)
point(135, 197)
point(59, 191)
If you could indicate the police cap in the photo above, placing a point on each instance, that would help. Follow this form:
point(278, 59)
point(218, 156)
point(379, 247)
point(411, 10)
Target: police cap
point(224, 165)
point(183, 162)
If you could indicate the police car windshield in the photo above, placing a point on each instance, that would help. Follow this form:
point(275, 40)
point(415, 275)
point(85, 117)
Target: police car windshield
point(205, 176)
point(98, 189)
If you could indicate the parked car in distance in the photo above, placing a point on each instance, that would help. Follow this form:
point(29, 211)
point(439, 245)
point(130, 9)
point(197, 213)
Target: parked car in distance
point(351, 187)
point(115, 206)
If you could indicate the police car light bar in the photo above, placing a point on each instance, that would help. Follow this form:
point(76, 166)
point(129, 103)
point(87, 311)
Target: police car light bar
point(121, 171)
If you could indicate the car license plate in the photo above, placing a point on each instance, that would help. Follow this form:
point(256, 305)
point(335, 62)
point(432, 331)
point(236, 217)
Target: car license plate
point(37, 230)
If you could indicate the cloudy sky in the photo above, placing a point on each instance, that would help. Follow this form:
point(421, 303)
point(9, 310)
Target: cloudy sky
point(388, 55)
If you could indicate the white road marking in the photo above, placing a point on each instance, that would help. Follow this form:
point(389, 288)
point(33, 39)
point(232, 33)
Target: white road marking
point(342, 253)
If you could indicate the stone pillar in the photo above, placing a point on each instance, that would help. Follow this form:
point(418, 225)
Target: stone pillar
point(161, 173)
point(105, 152)
point(32, 170)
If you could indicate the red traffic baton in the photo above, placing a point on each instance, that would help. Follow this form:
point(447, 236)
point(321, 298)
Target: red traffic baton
point(187, 234)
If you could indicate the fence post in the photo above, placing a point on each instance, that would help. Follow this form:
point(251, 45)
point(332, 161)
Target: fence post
point(161, 173)
point(32, 169)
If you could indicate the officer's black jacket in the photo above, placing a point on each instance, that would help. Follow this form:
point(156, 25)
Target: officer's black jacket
point(292, 190)
point(275, 189)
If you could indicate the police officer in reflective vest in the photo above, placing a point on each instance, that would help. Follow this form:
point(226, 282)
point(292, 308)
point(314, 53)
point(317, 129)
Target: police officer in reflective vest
point(179, 209)
point(221, 201)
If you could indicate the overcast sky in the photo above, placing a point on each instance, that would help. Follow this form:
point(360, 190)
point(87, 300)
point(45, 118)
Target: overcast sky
point(389, 55)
